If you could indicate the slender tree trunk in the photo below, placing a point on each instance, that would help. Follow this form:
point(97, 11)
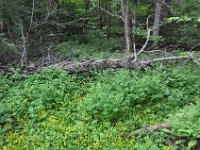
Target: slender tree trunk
point(100, 15)
point(86, 5)
point(125, 12)
point(108, 20)
point(23, 60)
point(1, 26)
point(134, 22)
point(157, 20)
point(126, 32)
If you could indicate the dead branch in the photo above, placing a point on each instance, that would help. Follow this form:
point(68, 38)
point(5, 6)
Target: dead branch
point(147, 39)
point(188, 57)
point(153, 51)
point(148, 128)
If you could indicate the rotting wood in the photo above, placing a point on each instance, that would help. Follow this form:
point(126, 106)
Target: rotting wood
point(125, 62)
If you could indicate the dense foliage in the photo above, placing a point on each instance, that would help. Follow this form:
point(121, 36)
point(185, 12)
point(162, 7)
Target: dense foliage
point(56, 110)
point(89, 107)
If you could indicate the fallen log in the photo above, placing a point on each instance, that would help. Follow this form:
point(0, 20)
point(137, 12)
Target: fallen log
point(126, 62)
point(148, 128)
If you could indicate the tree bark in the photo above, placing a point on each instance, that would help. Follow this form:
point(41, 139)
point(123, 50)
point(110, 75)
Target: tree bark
point(1, 26)
point(125, 13)
point(86, 5)
point(134, 23)
point(23, 60)
point(157, 20)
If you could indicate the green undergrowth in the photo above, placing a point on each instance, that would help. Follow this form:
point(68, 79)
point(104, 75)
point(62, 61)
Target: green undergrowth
point(57, 110)
point(95, 48)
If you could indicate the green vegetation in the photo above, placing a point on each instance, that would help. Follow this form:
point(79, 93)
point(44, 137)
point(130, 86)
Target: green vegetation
point(127, 65)
point(95, 49)
point(56, 110)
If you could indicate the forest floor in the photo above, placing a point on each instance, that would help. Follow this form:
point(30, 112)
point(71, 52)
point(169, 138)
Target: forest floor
point(57, 110)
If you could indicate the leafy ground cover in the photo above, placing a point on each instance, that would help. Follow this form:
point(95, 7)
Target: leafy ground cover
point(57, 110)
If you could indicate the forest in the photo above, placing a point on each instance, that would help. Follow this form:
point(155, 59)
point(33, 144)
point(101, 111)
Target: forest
point(100, 74)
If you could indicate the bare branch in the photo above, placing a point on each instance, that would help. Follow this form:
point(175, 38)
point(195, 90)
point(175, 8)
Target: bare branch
point(148, 37)
point(187, 57)
point(153, 51)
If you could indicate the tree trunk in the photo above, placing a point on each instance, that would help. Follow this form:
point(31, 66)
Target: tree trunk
point(23, 60)
point(157, 20)
point(86, 5)
point(1, 26)
point(108, 21)
point(125, 62)
point(134, 23)
point(125, 13)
